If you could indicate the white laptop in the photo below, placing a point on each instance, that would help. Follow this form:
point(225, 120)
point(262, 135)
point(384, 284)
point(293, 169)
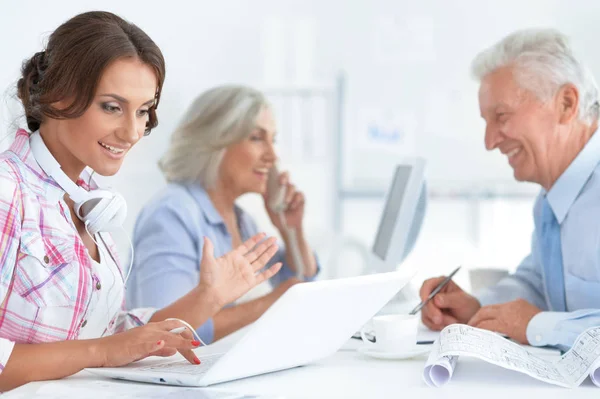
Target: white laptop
point(309, 322)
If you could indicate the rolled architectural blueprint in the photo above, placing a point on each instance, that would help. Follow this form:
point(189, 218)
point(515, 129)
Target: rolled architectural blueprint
point(569, 370)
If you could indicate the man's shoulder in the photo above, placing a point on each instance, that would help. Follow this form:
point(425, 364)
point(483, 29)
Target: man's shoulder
point(594, 180)
point(591, 188)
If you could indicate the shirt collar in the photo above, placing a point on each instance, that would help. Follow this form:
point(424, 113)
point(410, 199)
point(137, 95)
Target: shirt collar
point(207, 207)
point(48, 189)
point(566, 189)
point(211, 214)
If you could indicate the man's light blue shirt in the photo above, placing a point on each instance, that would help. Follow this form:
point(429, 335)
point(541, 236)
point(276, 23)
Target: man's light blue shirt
point(575, 201)
point(168, 239)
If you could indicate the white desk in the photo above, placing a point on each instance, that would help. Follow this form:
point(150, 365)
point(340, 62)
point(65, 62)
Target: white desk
point(348, 374)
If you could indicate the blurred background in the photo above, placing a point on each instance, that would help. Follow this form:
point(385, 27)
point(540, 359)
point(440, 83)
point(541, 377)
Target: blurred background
point(355, 85)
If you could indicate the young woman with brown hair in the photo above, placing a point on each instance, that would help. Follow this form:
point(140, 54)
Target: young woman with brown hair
point(88, 98)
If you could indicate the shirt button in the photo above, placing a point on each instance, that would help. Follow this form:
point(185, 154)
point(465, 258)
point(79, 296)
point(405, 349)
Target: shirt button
point(84, 323)
point(46, 259)
point(538, 338)
point(98, 285)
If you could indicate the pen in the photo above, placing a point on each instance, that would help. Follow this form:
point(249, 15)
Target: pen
point(435, 291)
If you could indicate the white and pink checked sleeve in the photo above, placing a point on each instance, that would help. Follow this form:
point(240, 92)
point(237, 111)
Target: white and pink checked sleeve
point(10, 233)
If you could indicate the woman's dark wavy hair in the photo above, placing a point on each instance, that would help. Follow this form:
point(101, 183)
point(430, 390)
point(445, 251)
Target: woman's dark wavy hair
point(77, 54)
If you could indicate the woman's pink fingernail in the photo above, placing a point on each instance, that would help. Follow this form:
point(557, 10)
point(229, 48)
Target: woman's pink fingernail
point(196, 343)
point(159, 343)
point(196, 360)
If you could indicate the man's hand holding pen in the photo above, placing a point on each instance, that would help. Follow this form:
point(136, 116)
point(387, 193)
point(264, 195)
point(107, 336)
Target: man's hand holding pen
point(448, 306)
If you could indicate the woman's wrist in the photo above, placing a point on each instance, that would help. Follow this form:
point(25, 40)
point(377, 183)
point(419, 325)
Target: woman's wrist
point(210, 299)
point(285, 236)
point(95, 351)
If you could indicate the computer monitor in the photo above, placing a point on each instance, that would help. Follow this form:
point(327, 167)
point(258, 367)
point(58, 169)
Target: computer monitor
point(402, 216)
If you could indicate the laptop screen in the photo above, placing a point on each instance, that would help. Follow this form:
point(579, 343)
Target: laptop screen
point(391, 212)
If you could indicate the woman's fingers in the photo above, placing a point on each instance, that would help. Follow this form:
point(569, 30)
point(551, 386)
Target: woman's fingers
point(179, 342)
point(167, 325)
point(190, 356)
point(249, 244)
point(187, 334)
point(183, 340)
point(208, 250)
point(172, 343)
point(266, 256)
point(297, 201)
point(255, 253)
point(188, 353)
point(289, 194)
point(147, 348)
point(284, 178)
point(152, 339)
point(267, 274)
point(164, 352)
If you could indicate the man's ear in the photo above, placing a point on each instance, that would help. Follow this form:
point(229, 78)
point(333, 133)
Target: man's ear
point(567, 103)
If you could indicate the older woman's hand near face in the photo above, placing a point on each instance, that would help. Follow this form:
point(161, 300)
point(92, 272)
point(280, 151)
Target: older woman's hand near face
point(291, 221)
point(294, 205)
point(232, 275)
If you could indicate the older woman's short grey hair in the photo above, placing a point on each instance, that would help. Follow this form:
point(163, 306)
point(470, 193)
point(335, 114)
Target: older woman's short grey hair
point(215, 120)
point(543, 62)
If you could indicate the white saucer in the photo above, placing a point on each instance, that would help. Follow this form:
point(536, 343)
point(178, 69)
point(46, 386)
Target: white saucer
point(417, 350)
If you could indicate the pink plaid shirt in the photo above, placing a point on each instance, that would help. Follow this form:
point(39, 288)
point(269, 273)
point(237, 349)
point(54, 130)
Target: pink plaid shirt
point(46, 276)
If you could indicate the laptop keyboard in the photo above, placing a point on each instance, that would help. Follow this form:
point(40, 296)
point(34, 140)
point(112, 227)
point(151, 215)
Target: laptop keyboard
point(184, 367)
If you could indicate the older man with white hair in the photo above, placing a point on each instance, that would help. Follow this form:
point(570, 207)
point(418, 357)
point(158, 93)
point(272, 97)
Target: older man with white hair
point(540, 105)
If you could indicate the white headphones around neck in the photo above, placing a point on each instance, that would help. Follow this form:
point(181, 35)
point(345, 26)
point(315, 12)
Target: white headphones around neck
point(100, 210)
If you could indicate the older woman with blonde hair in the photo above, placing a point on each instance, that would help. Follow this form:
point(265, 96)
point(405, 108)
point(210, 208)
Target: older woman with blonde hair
point(223, 148)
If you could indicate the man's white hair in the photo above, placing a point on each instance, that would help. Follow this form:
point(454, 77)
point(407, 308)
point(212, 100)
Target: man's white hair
point(219, 117)
point(543, 62)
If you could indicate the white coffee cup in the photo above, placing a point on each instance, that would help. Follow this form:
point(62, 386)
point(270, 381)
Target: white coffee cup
point(394, 333)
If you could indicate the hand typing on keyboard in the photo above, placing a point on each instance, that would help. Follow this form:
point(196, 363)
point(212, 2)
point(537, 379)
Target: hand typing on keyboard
point(152, 339)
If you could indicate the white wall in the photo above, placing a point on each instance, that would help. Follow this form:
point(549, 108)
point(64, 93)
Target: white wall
point(406, 56)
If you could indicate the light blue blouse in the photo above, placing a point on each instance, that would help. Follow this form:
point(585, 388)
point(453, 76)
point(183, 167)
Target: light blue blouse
point(167, 242)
